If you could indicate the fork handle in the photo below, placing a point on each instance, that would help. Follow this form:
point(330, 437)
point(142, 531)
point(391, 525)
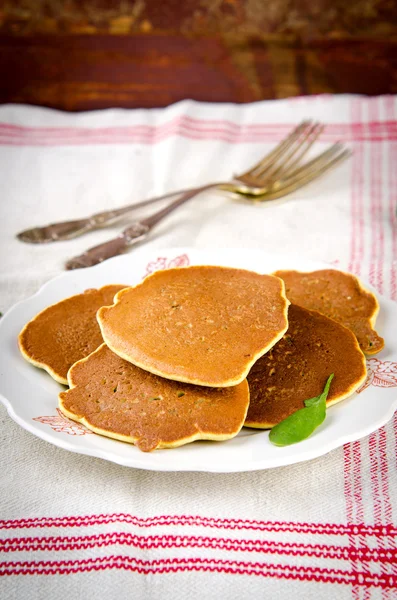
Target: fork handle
point(67, 230)
point(113, 247)
point(132, 234)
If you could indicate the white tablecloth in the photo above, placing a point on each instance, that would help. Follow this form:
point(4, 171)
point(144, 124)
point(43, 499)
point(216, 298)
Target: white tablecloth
point(320, 529)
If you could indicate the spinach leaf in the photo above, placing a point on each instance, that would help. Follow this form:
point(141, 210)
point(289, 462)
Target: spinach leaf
point(303, 422)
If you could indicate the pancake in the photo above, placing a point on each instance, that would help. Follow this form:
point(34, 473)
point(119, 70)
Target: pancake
point(202, 325)
point(116, 399)
point(65, 332)
point(298, 367)
point(339, 296)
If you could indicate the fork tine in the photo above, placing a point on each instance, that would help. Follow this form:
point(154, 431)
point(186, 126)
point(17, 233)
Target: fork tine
point(313, 164)
point(306, 176)
point(295, 154)
point(304, 149)
point(268, 162)
point(278, 151)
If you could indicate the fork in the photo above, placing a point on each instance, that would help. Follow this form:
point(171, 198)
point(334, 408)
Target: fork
point(290, 151)
point(276, 175)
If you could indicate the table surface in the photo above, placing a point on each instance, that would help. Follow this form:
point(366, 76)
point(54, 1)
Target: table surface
point(92, 55)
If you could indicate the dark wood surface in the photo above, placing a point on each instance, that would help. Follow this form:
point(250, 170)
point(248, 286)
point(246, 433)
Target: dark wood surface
point(143, 53)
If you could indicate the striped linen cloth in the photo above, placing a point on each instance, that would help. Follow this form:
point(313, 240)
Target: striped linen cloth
point(316, 530)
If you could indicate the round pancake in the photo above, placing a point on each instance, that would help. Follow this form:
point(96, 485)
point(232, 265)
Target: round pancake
point(202, 325)
point(65, 332)
point(339, 296)
point(298, 367)
point(115, 398)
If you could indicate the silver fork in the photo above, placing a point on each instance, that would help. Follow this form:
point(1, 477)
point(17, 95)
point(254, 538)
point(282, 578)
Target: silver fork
point(305, 134)
point(277, 175)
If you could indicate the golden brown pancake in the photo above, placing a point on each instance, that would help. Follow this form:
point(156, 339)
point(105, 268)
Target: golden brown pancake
point(298, 367)
point(339, 296)
point(65, 332)
point(202, 325)
point(115, 398)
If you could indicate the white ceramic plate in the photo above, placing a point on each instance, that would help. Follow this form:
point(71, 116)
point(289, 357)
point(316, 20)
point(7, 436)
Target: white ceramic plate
point(30, 394)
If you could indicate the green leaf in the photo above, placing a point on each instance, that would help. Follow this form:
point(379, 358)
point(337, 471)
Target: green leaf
point(303, 422)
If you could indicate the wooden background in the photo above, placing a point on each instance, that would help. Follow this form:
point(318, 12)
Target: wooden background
point(79, 55)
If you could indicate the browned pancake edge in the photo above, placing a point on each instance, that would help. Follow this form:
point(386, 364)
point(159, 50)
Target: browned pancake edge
point(221, 371)
point(298, 367)
point(353, 293)
point(50, 342)
point(117, 399)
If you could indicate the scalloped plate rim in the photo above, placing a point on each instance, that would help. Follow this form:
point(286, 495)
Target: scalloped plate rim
point(293, 455)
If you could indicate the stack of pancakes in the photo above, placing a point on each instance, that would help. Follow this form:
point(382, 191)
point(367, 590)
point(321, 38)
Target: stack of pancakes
point(198, 352)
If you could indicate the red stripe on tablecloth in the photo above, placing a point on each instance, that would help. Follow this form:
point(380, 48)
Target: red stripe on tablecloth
point(387, 516)
point(375, 475)
point(375, 127)
point(352, 466)
point(60, 544)
point(395, 435)
point(353, 487)
point(7, 141)
point(372, 440)
point(347, 452)
point(199, 124)
point(360, 209)
point(392, 189)
point(380, 213)
point(183, 126)
point(384, 469)
point(353, 210)
point(376, 221)
point(357, 184)
point(352, 451)
point(186, 127)
point(360, 540)
point(199, 521)
point(361, 205)
point(173, 565)
point(357, 489)
point(377, 441)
